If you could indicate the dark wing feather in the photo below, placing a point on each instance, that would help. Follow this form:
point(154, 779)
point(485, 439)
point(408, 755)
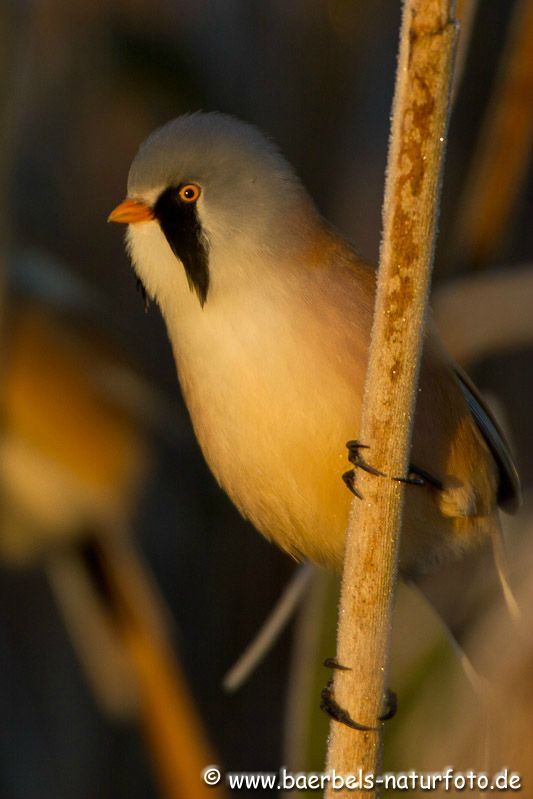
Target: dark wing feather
point(509, 493)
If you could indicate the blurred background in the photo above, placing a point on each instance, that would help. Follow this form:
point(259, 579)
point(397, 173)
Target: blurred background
point(128, 582)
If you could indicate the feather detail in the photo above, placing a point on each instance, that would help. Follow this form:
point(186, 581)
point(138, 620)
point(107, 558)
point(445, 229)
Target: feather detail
point(509, 492)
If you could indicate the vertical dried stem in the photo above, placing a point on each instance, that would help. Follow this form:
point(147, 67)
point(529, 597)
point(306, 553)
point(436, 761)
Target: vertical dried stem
point(416, 152)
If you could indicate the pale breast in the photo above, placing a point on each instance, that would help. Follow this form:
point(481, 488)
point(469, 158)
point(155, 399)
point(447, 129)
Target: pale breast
point(273, 376)
point(273, 401)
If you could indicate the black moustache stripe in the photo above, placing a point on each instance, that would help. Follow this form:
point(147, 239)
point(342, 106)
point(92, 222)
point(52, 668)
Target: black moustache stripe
point(179, 222)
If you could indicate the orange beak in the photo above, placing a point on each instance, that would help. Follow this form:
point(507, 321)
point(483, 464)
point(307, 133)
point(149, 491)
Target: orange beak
point(131, 211)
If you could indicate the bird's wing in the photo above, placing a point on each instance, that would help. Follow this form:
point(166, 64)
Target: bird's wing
point(509, 493)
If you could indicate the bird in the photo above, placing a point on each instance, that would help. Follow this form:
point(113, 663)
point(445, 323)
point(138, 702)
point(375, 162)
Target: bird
point(269, 313)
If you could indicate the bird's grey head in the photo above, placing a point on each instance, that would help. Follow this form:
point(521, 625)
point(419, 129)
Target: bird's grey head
point(221, 194)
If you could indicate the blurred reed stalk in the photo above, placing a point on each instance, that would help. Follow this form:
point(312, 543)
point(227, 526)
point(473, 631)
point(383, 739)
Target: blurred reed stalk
point(416, 150)
point(499, 168)
point(270, 630)
point(170, 722)
point(465, 14)
point(486, 314)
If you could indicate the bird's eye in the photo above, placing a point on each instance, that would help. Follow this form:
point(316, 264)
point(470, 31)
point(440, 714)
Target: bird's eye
point(189, 192)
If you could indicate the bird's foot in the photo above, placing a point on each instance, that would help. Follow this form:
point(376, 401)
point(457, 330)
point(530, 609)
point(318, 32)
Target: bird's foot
point(415, 477)
point(332, 708)
point(419, 477)
point(333, 663)
point(355, 457)
point(349, 479)
point(329, 704)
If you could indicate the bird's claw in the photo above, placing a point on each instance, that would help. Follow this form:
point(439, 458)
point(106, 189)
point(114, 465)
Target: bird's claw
point(419, 477)
point(330, 705)
point(415, 477)
point(349, 479)
point(333, 663)
point(356, 458)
